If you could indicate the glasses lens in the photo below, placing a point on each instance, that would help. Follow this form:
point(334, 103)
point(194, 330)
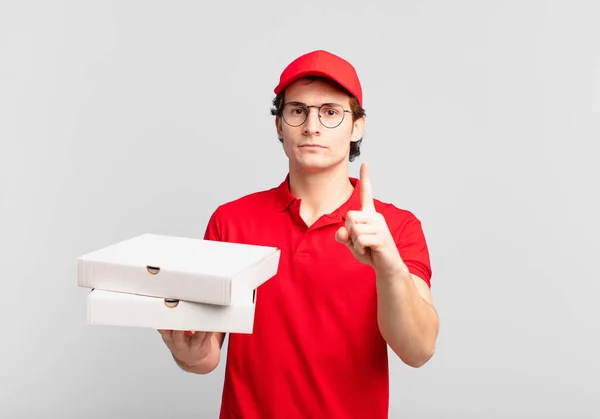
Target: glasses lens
point(294, 114)
point(331, 115)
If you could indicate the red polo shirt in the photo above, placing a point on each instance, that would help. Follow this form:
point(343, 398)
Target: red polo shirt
point(316, 350)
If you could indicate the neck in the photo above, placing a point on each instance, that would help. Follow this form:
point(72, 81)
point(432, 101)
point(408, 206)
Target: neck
point(321, 192)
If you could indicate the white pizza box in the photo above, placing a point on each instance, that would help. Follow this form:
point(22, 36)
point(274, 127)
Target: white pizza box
point(109, 308)
point(181, 268)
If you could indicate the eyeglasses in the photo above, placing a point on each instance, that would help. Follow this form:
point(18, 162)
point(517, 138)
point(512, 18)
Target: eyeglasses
point(331, 115)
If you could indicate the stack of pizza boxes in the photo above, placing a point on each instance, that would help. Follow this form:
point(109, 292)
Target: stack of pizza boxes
point(177, 283)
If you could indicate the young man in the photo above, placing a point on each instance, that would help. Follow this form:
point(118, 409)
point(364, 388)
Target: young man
point(354, 274)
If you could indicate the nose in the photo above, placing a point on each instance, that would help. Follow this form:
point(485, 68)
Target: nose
point(312, 125)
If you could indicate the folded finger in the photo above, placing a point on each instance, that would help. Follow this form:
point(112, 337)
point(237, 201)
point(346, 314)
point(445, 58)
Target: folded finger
point(198, 337)
point(179, 339)
point(365, 241)
point(166, 334)
point(359, 217)
point(362, 229)
point(202, 339)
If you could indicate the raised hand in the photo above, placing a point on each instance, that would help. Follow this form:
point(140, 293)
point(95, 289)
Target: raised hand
point(367, 235)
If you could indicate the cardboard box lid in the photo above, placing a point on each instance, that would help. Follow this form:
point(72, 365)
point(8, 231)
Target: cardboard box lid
point(182, 268)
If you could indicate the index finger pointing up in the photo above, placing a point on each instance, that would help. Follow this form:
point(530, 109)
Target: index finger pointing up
point(366, 193)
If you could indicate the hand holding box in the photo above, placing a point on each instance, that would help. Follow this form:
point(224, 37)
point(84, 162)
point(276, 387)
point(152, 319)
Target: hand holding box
point(197, 351)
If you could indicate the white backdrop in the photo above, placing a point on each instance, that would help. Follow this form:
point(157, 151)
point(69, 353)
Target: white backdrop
point(124, 117)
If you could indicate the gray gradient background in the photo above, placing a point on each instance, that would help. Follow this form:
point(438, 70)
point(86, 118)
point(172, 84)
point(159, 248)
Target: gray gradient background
point(119, 118)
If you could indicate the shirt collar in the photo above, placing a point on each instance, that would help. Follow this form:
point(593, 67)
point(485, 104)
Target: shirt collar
point(284, 197)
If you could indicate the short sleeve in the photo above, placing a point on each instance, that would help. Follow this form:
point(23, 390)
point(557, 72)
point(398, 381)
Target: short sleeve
point(213, 228)
point(413, 249)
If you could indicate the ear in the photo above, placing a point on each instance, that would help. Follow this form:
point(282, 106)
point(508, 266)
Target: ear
point(358, 128)
point(278, 127)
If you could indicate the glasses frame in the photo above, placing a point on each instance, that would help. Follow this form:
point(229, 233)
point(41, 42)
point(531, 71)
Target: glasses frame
point(318, 113)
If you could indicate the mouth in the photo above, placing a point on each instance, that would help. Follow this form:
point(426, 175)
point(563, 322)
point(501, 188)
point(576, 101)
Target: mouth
point(311, 146)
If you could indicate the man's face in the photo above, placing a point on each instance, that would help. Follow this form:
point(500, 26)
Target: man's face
point(312, 147)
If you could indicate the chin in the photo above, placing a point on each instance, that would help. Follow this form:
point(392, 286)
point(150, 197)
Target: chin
point(312, 165)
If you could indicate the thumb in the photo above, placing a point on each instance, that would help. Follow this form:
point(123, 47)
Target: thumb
point(342, 235)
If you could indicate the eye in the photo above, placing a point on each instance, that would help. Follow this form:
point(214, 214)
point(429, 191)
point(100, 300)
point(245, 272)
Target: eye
point(298, 111)
point(330, 111)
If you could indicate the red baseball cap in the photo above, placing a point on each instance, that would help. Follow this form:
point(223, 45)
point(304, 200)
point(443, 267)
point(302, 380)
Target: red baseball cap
point(325, 64)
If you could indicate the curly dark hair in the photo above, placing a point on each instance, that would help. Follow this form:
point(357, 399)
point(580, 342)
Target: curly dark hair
point(357, 112)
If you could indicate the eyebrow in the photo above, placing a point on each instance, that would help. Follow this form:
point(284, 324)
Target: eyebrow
point(293, 102)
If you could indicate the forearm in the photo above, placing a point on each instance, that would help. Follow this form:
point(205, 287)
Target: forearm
point(408, 323)
point(208, 364)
